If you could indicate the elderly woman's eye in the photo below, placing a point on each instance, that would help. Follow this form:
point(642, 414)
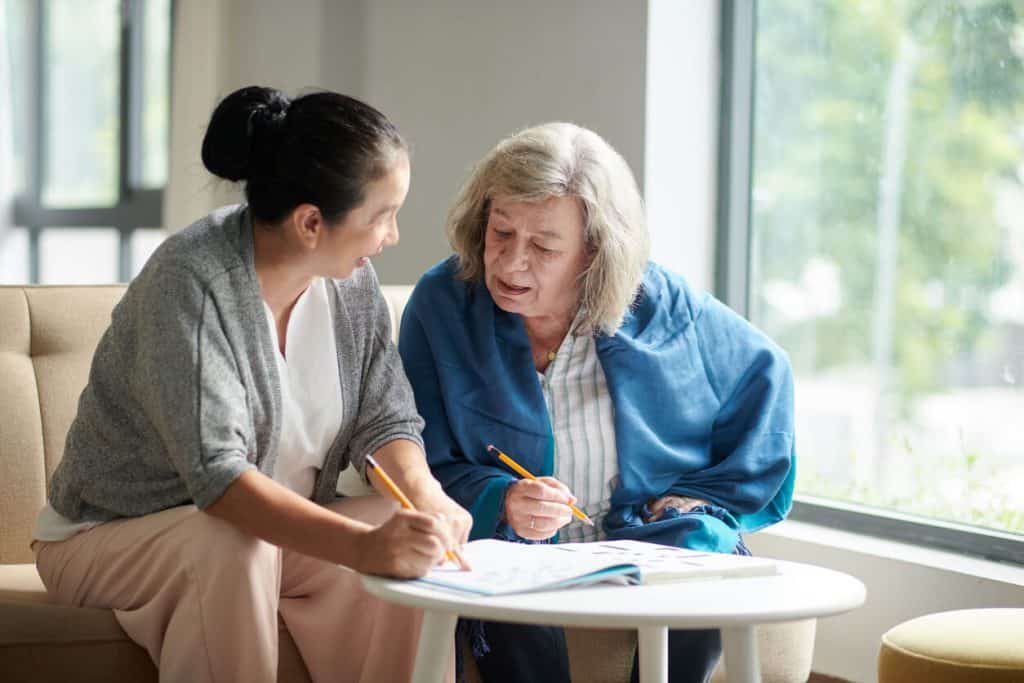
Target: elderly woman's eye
point(544, 250)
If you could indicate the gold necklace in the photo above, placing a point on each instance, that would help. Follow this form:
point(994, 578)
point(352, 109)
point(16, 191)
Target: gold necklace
point(551, 355)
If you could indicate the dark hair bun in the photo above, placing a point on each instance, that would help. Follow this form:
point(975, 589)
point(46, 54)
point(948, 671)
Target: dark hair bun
point(321, 148)
point(242, 127)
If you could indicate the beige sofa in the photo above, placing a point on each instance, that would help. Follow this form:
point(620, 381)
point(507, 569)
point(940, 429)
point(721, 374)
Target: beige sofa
point(47, 337)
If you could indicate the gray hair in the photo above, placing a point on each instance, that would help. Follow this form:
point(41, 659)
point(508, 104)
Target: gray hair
point(563, 160)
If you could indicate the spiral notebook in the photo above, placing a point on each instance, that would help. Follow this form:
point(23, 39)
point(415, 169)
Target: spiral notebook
point(503, 568)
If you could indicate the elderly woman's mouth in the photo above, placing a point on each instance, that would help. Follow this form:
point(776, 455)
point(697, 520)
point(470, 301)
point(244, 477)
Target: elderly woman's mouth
point(510, 290)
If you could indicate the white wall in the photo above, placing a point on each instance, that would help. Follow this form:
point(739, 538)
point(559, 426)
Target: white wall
point(275, 43)
point(220, 46)
point(680, 161)
point(456, 76)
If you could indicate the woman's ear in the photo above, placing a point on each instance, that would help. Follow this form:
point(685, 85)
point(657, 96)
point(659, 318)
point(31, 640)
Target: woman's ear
point(307, 225)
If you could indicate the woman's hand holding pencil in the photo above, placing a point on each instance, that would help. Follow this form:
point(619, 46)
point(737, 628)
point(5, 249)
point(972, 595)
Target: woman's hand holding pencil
point(537, 507)
point(439, 528)
point(407, 546)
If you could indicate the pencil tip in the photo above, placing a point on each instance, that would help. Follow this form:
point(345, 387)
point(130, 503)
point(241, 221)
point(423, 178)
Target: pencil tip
point(491, 447)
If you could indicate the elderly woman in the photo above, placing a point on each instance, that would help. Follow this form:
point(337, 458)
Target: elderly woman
point(653, 407)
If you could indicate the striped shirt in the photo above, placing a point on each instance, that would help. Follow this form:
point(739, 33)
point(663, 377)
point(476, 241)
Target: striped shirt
point(581, 413)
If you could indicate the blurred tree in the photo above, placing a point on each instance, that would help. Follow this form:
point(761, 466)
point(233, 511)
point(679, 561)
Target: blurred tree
point(886, 133)
point(827, 95)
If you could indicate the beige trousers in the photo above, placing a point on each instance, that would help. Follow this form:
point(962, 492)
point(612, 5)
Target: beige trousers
point(203, 598)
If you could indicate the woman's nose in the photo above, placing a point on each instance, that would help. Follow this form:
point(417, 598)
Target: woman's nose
point(391, 239)
point(517, 257)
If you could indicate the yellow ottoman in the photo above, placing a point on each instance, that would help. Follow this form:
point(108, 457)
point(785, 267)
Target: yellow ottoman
point(965, 646)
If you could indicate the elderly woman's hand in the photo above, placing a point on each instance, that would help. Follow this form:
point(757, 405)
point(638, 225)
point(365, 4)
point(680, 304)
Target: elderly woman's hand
point(657, 506)
point(537, 508)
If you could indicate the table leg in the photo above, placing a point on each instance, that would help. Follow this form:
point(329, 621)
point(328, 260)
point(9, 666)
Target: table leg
point(740, 651)
point(435, 646)
point(652, 642)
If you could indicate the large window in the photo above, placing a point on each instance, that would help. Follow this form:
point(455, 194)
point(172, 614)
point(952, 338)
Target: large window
point(885, 249)
point(89, 94)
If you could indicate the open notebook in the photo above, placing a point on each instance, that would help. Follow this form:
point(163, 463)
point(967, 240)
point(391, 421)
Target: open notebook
point(502, 568)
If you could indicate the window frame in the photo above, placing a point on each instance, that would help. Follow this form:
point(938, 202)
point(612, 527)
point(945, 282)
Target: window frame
point(733, 263)
point(136, 207)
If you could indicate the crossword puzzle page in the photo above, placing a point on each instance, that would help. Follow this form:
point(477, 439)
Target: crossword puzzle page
point(501, 567)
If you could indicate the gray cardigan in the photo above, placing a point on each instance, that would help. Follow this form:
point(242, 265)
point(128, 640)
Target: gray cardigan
point(183, 393)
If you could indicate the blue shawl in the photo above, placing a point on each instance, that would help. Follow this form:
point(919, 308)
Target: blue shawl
point(703, 407)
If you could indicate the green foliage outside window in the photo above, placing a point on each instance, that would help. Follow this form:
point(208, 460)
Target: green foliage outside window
point(888, 242)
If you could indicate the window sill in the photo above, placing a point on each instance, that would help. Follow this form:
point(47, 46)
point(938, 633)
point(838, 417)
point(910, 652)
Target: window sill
point(895, 551)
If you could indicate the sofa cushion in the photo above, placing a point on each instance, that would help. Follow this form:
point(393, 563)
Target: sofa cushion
point(396, 296)
point(40, 641)
point(28, 616)
point(97, 661)
point(47, 338)
point(64, 338)
point(21, 583)
point(22, 470)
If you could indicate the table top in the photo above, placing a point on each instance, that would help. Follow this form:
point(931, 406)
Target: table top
point(798, 591)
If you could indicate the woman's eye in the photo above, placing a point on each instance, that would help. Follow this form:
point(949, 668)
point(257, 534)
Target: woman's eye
point(502, 233)
point(543, 250)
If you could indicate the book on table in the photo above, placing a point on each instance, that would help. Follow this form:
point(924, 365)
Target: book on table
point(504, 568)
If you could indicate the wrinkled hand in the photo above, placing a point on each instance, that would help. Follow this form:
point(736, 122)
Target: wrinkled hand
point(681, 503)
point(537, 508)
point(404, 547)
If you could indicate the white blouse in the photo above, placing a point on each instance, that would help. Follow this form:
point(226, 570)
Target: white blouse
point(310, 389)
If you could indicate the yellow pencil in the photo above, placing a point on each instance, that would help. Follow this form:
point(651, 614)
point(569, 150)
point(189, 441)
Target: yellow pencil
point(523, 472)
point(452, 555)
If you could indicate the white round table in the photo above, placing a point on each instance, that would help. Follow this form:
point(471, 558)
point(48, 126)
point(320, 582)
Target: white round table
point(734, 605)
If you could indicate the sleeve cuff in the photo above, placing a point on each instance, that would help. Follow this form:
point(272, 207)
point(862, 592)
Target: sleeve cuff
point(217, 477)
point(486, 509)
point(357, 457)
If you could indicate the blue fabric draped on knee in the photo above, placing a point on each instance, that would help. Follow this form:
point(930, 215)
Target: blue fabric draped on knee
point(708, 528)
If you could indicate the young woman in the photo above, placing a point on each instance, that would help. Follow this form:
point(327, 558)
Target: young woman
point(247, 365)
